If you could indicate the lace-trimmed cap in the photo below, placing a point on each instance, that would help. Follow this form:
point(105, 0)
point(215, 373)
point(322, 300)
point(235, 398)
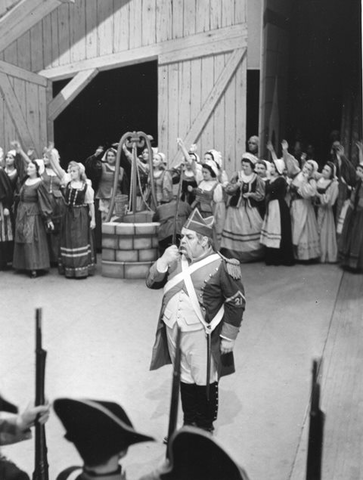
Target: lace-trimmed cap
point(250, 157)
point(198, 224)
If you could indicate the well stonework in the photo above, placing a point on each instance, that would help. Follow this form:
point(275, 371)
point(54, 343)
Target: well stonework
point(129, 246)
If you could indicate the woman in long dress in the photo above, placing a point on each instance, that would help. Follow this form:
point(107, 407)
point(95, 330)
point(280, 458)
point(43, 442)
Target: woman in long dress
point(6, 220)
point(33, 213)
point(276, 228)
point(163, 182)
point(327, 193)
point(209, 197)
point(242, 229)
point(305, 237)
point(351, 240)
point(54, 188)
point(77, 254)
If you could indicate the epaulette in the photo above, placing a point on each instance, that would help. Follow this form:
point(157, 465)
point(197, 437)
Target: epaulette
point(233, 267)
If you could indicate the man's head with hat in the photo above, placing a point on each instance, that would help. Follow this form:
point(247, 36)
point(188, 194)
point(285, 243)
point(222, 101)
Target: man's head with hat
point(101, 431)
point(197, 234)
point(194, 455)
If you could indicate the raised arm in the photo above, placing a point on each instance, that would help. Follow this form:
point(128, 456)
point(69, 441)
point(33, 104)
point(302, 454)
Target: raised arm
point(271, 149)
point(54, 161)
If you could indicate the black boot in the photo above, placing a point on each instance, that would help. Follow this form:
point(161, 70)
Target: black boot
point(189, 401)
point(207, 409)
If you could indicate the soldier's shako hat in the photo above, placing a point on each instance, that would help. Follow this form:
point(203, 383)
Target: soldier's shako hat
point(198, 224)
point(6, 406)
point(194, 455)
point(97, 428)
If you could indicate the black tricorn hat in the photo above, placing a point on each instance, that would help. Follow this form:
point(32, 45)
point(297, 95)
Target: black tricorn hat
point(194, 455)
point(6, 406)
point(97, 428)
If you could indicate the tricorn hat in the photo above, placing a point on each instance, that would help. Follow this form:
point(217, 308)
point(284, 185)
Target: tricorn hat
point(198, 224)
point(194, 455)
point(6, 406)
point(97, 428)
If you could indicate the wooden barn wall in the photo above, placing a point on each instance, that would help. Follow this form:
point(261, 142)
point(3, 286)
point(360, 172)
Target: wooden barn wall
point(92, 29)
point(23, 114)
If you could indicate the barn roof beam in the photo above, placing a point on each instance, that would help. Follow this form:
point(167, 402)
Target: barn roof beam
point(23, 16)
point(222, 40)
point(70, 91)
point(23, 74)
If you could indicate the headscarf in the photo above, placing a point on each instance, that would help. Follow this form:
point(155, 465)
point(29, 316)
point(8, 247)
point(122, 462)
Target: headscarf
point(250, 157)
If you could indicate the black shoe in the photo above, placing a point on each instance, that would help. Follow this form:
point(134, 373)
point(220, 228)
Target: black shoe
point(33, 274)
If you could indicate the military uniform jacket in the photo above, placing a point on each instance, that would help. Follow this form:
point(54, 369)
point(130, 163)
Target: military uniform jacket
point(214, 286)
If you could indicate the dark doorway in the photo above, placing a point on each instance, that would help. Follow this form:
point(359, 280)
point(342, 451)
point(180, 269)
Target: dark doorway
point(253, 101)
point(116, 101)
point(324, 74)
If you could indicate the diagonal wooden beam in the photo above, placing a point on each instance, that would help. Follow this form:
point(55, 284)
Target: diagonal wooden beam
point(69, 92)
point(15, 111)
point(212, 100)
point(23, 74)
point(23, 16)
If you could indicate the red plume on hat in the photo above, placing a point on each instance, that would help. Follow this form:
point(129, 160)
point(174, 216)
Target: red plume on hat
point(196, 223)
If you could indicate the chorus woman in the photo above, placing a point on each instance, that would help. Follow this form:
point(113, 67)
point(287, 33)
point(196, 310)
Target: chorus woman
point(242, 229)
point(77, 254)
point(327, 193)
point(276, 228)
point(305, 236)
point(33, 213)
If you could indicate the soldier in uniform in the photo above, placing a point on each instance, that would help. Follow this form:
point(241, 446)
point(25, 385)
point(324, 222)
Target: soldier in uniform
point(15, 428)
point(101, 432)
point(204, 296)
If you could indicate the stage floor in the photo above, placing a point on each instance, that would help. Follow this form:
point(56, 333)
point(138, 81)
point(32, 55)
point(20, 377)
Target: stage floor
point(99, 332)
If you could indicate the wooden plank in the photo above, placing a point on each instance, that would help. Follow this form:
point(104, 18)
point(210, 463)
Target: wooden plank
point(105, 27)
point(11, 53)
point(91, 30)
point(15, 111)
point(189, 18)
point(37, 47)
point(240, 11)
point(43, 118)
point(148, 27)
point(17, 72)
point(163, 23)
point(219, 111)
point(173, 124)
point(70, 91)
point(207, 83)
point(195, 89)
point(228, 14)
point(202, 8)
point(122, 25)
point(78, 31)
point(241, 96)
point(150, 52)
point(136, 22)
point(218, 89)
point(215, 12)
point(55, 38)
point(230, 121)
point(183, 102)
point(24, 48)
point(22, 17)
point(177, 19)
point(64, 34)
point(163, 105)
point(32, 115)
point(198, 51)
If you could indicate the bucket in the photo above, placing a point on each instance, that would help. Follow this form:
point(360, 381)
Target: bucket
point(121, 204)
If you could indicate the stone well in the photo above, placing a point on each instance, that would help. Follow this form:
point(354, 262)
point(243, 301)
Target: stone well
point(129, 246)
